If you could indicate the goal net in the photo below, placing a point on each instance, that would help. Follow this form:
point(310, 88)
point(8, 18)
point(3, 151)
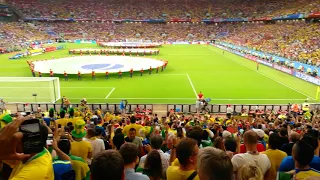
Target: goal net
point(30, 89)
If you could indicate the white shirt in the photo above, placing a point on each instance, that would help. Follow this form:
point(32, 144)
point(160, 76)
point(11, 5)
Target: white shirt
point(229, 110)
point(260, 160)
point(165, 159)
point(97, 146)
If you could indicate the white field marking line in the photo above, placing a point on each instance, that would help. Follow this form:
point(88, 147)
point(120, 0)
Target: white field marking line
point(194, 90)
point(110, 93)
point(265, 75)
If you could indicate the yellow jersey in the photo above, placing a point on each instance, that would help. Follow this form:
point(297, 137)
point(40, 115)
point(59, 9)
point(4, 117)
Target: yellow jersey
point(63, 121)
point(175, 173)
point(81, 149)
point(275, 157)
point(37, 167)
point(127, 128)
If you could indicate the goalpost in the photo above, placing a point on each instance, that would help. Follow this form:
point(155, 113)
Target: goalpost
point(30, 89)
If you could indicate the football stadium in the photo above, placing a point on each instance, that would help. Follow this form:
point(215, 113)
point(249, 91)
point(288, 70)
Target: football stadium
point(152, 89)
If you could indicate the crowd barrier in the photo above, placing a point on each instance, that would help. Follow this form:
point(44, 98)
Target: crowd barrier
point(184, 108)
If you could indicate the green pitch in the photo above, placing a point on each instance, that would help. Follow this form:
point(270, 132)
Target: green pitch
point(225, 78)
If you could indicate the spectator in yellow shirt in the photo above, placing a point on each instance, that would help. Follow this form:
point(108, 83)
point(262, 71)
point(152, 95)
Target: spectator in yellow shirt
point(132, 124)
point(275, 156)
point(79, 147)
point(62, 121)
point(187, 151)
point(22, 164)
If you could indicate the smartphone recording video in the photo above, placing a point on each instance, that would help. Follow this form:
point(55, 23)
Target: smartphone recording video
point(50, 139)
point(31, 141)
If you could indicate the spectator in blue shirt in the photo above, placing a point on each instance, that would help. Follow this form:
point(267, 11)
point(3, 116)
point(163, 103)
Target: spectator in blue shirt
point(287, 163)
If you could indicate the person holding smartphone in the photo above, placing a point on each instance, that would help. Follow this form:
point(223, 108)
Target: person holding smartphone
point(25, 142)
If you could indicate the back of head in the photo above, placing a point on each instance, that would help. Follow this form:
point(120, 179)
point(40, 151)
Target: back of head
point(153, 164)
point(44, 134)
point(129, 153)
point(249, 172)
point(64, 145)
point(156, 141)
point(133, 119)
point(218, 143)
point(185, 150)
point(294, 137)
point(312, 141)
point(118, 140)
point(196, 134)
point(283, 131)
point(91, 132)
point(274, 141)
point(214, 164)
point(302, 153)
point(107, 164)
point(250, 137)
point(230, 144)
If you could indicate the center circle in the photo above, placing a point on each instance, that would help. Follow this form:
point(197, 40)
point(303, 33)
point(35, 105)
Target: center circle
point(102, 66)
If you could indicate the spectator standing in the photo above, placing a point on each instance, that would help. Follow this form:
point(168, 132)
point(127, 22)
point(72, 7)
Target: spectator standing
point(79, 147)
point(96, 143)
point(252, 155)
point(79, 165)
point(109, 165)
point(249, 172)
point(129, 153)
point(293, 138)
point(287, 163)
point(283, 136)
point(275, 156)
point(214, 164)
point(118, 139)
point(132, 124)
point(186, 152)
point(135, 140)
point(303, 154)
point(153, 166)
point(156, 142)
point(62, 166)
point(23, 164)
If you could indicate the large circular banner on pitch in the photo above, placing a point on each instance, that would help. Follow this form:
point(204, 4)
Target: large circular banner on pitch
point(100, 64)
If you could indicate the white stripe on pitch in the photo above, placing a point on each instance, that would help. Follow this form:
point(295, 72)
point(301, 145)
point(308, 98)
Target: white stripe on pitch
point(264, 75)
point(110, 92)
point(194, 90)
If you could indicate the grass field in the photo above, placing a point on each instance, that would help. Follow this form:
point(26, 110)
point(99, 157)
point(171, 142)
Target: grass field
point(225, 78)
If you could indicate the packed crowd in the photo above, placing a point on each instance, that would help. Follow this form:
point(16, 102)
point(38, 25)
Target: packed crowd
point(16, 36)
point(156, 9)
point(92, 144)
point(297, 41)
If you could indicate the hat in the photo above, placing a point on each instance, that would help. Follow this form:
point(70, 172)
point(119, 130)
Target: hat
point(6, 118)
point(79, 131)
point(260, 132)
